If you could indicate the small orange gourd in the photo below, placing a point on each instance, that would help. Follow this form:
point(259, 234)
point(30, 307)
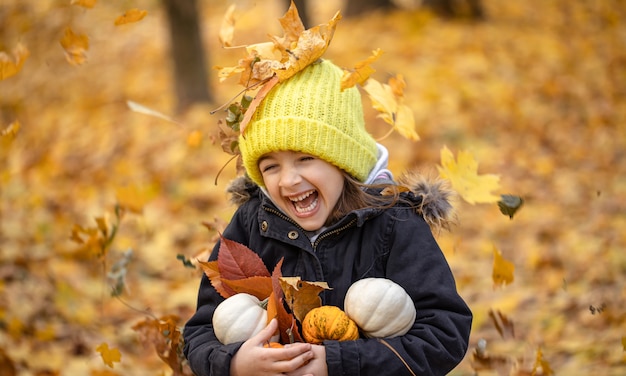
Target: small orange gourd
point(328, 323)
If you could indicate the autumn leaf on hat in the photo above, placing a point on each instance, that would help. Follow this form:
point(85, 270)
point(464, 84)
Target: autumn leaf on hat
point(281, 56)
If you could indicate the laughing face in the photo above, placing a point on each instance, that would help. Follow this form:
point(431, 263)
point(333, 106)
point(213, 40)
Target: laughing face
point(303, 186)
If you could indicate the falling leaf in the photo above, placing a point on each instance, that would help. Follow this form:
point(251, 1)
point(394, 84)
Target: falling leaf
point(388, 100)
point(139, 108)
point(509, 204)
point(133, 197)
point(75, 46)
point(84, 3)
point(131, 15)
point(12, 65)
point(362, 71)
point(186, 262)
point(302, 296)
point(502, 269)
point(464, 178)
point(541, 367)
point(227, 30)
point(109, 356)
point(7, 135)
point(503, 325)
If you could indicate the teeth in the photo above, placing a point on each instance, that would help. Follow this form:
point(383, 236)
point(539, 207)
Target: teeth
point(307, 209)
point(301, 197)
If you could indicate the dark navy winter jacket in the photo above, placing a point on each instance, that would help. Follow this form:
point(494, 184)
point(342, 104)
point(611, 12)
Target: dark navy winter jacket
point(395, 243)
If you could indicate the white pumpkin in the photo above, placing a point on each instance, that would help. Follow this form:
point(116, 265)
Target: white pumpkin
point(238, 318)
point(380, 307)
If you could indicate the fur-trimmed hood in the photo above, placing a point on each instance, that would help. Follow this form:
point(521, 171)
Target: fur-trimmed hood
point(435, 206)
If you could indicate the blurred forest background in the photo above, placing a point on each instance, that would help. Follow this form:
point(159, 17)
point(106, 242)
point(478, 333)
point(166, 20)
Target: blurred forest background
point(109, 170)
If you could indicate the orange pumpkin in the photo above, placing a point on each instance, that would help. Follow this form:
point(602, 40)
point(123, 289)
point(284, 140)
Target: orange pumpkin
point(328, 323)
point(273, 345)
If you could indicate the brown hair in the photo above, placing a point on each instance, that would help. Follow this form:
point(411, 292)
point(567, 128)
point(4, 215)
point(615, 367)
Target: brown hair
point(357, 195)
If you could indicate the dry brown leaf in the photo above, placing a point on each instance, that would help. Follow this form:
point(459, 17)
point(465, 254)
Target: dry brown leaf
point(302, 296)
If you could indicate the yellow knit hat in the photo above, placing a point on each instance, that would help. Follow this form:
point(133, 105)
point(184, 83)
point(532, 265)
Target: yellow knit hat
point(310, 114)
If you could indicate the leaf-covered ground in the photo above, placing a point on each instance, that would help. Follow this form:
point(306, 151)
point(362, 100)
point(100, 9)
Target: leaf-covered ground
point(537, 94)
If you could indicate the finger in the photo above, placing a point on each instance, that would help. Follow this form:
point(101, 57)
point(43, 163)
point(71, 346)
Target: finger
point(266, 334)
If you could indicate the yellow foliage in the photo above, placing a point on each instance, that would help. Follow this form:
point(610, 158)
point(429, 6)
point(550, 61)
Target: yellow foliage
point(463, 175)
point(109, 355)
point(130, 16)
point(11, 65)
point(75, 46)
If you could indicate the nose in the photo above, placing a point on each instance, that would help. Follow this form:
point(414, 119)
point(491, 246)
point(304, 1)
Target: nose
point(289, 176)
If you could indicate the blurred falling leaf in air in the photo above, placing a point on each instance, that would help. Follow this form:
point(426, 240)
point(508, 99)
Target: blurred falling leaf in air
point(362, 71)
point(463, 175)
point(131, 15)
point(227, 30)
point(510, 204)
point(11, 65)
point(502, 269)
point(84, 3)
point(388, 100)
point(75, 46)
point(109, 356)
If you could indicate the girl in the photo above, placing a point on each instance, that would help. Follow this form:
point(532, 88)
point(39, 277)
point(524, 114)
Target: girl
point(313, 196)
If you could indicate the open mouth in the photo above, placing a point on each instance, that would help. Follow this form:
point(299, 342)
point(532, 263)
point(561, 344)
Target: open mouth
point(305, 202)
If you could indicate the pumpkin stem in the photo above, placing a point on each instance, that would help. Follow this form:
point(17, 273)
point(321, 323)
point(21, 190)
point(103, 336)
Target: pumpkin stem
point(263, 303)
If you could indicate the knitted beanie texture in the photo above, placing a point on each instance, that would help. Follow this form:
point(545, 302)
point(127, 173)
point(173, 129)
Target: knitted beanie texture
point(309, 113)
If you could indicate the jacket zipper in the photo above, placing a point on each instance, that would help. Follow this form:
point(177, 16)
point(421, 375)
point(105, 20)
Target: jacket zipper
point(319, 238)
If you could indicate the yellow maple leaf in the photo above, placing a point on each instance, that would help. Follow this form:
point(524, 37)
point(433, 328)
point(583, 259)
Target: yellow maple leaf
point(109, 356)
point(75, 46)
point(503, 269)
point(11, 65)
point(388, 100)
point(464, 178)
point(283, 56)
point(131, 15)
point(362, 71)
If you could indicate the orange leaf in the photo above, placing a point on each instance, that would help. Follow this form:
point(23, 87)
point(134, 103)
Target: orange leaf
point(236, 261)
point(267, 87)
point(261, 287)
point(302, 296)
point(362, 71)
point(11, 65)
point(75, 46)
point(212, 272)
point(131, 15)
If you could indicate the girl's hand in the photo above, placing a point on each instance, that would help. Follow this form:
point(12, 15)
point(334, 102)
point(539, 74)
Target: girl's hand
point(254, 359)
point(316, 366)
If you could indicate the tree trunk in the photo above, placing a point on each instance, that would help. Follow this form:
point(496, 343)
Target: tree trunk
point(187, 52)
